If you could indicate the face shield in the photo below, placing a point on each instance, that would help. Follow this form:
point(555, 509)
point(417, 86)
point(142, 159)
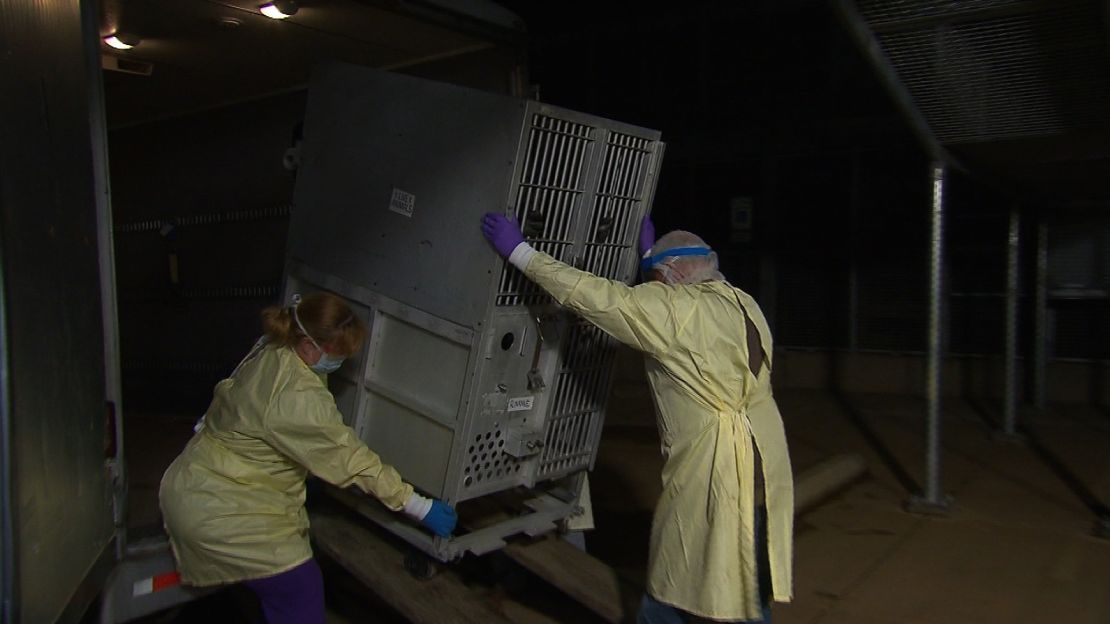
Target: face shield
point(681, 258)
point(667, 263)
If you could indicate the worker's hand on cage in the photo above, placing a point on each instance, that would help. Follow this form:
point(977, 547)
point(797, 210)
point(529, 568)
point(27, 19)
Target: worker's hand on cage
point(441, 518)
point(502, 232)
point(647, 235)
point(432, 513)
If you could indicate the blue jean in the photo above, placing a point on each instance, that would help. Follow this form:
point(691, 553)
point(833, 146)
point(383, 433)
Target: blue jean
point(654, 612)
point(293, 597)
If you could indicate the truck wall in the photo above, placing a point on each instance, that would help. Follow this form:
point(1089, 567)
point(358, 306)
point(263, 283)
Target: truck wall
point(59, 516)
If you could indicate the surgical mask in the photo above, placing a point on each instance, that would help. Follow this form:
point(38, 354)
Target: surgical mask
point(327, 363)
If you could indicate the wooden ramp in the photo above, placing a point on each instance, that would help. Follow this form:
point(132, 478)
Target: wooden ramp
point(586, 579)
point(378, 562)
point(595, 585)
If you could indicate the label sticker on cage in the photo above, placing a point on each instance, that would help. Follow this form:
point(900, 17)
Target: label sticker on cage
point(402, 202)
point(521, 404)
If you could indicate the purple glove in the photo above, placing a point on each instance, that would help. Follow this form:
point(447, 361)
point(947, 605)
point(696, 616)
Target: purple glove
point(647, 235)
point(502, 232)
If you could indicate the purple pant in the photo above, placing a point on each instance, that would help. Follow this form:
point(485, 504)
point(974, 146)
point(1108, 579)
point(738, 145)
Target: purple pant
point(293, 597)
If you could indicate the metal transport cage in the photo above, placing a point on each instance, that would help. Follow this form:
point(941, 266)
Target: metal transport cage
point(473, 383)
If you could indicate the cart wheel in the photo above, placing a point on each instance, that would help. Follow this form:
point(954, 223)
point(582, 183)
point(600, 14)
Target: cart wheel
point(420, 566)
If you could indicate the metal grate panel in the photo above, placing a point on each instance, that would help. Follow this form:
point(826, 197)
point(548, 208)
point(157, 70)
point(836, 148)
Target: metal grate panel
point(984, 70)
point(1080, 329)
point(567, 445)
point(579, 396)
point(892, 307)
point(1079, 254)
point(211, 218)
point(547, 195)
point(880, 13)
point(620, 194)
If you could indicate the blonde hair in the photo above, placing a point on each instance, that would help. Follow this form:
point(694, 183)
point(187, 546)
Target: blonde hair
point(327, 319)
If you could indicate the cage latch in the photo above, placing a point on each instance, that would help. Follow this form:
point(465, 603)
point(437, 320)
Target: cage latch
point(521, 442)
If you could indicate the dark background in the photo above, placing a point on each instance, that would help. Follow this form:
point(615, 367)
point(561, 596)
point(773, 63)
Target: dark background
point(768, 104)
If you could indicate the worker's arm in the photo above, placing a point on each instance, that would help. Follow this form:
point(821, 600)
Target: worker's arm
point(306, 426)
point(644, 317)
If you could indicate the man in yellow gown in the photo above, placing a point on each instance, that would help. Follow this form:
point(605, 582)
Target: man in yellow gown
point(728, 496)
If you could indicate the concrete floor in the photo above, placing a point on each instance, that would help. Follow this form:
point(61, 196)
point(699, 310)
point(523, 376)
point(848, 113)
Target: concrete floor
point(1017, 544)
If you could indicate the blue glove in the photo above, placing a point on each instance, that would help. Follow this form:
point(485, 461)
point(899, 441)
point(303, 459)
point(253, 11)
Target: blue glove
point(647, 235)
point(441, 518)
point(502, 232)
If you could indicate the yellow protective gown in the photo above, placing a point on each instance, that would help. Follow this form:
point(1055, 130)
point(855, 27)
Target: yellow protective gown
point(710, 407)
point(233, 501)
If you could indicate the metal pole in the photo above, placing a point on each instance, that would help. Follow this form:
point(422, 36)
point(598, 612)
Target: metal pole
point(1040, 320)
point(7, 513)
point(853, 257)
point(765, 240)
point(932, 380)
point(934, 501)
point(1011, 389)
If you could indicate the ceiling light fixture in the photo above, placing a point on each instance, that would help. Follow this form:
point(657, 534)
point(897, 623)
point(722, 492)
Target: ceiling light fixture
point(279, 9)
point(122, 41)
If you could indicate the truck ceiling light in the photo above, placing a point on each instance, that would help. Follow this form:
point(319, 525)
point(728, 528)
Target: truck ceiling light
point(279, 9)
point(121, 41)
